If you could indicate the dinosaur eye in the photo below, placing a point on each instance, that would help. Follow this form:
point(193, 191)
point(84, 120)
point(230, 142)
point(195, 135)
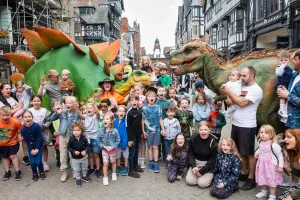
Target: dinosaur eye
point(138, 73)
point(95, 91)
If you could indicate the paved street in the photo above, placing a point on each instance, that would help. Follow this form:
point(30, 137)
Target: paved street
point(149, 186)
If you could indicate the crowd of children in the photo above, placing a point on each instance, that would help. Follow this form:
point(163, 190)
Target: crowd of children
point(95, 139)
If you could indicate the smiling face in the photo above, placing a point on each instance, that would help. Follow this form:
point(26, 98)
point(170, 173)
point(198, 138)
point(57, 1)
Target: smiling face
point(6, 91)
point(163, 72)
point(172, 93)
point(107, 86)
point(201, 100)
point(4, 116)
point(226, 147)
point(36, 102)
point(107, 121)
point(145, 62)
point(76, 131)
point(104, 107)
point(138, 90)
point(161, 92)
point(204, 131)
point(69, 104)
point(121, 112)
point(184, 104)
point(90, 110)
point(290, 141)
point(246, 77)
point(54, 77)
point(180, 140)
point(27, 118)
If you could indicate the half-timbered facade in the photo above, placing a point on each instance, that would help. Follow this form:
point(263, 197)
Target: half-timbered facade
point(294, 24)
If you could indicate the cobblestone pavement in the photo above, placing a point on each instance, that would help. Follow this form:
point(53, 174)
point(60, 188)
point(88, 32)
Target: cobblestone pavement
point(149, 186)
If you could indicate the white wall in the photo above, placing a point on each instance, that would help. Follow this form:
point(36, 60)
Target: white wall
point(269, 39)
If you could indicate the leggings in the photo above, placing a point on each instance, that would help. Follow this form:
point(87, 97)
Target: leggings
point(177, 166)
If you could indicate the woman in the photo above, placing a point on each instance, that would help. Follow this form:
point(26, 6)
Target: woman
point(292, 141)
point(202, 154)
point(7, 100)
point(107, 86)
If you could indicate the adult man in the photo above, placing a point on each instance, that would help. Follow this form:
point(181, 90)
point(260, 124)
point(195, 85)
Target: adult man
point(52, 88)
point(244, 122)
point(292, 95)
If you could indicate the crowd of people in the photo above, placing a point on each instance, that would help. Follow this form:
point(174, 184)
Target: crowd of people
point(113, 133)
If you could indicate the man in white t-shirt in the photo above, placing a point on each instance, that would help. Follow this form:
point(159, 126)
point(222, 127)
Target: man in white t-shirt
point(244, 122)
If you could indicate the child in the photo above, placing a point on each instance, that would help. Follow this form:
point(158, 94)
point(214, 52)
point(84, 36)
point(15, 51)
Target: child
point(134, 132)
point(79, 147)
point(127, 69)
point(104, 107)
point(172, 128)
point(9, 144)
point(201, 110)
point(56, 105)
point(146, 63)
point(139, 90)
point(91, 120)
point(172, 96)
point(209, 94)
point(216, 120)
point(32, 135)
point(152, 127)
point(235, 85)
point(185, 118)
point(67, 86)
point(23, 94)
point(40, 116)
point(83, 110)
point(153, 80)
point(269, 165)
point(284, 74)
point(165, 78)
point(67, 117)
point(177, 159)
point(109, 140)
point(120, 125)
point(227, 169)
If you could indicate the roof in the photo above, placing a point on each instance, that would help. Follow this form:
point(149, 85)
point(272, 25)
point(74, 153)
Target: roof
point(156, 41)
point(180, 12)
point(101, 16)
point(167, 50)
point(195, 3)
point(186, 6)
point(82, 4)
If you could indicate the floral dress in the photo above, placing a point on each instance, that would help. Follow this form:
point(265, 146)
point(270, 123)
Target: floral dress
point(266, 171)
point(226, 171)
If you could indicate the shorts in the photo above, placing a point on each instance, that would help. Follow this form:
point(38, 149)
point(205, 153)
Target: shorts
point(95, 148)
point(109, 155)
point(153, 139)
point(7, 151)
point(124, 152)
point(244, 139)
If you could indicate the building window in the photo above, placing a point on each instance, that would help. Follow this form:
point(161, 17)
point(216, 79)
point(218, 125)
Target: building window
point(239, 20)
point(209, 15)
point(218, 6)
point(220, 32)
point(260, 8)
point(274, 5)
point(233, 22)
point(195, 30)
point(225, 30)
point(214, 35)
point(297, 11)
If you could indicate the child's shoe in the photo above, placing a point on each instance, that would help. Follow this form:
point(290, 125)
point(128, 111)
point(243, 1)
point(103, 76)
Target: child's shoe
point(134, 174)
point(64, 176)
point(139, 161)
point(150, 167)
point(119, 169)
point(35, 177)
point(91, 172)
point(156, 167)
point(86, 179)
point(46, 167)
point(142, 163)
point(262, 194)
point(272, 197)
point(98, 173)
point(114, 177)
point(105, 180)
point(7, 175)
point(26, 160)
point(78, 183)
point(125, 171)
point(42, 176)
point(19, 175)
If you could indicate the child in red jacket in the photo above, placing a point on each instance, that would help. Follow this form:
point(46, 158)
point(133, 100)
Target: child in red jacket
point(217, 120)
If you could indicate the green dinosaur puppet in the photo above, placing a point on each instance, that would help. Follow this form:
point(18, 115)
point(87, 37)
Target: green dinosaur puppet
point(199, 57)
point(55, 50)
point(3, 131)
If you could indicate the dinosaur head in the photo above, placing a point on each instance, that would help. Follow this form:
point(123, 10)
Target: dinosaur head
point(142, 77)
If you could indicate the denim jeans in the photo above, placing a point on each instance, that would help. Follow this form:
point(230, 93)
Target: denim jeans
point(133, 153)
point(167, 145)
point(36, 161)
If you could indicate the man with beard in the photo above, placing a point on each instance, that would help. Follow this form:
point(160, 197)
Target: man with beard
point(244, 122)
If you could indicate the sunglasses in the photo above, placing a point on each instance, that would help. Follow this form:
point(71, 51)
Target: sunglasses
point(103, 106)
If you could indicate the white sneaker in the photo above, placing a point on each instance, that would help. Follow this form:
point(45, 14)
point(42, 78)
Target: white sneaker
point(114, 177)
point(262, 194)
point(105, 180)
point(179, 177)
point(139, 161)
point(288, 184)
point(272, 197)
point(142, 165)
point(283, 113)
point(46, 167)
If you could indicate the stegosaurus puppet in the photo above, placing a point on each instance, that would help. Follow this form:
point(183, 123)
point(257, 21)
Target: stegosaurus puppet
point(199, 57)
point(55, 50)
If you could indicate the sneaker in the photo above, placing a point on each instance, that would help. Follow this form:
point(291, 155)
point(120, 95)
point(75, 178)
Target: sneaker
point(139, 161)
point(91, 172)
point(156, 167)
point(125, 172)
point(64, 176)
point(35, 177)
point(288, 184)
point(105, 180)
point(243, 177)
point(43, 176)
point(262, 194)
point(7, 175)
point(249, 184)
point(272, 197)
point(179, 177)
point(78, 183)
point(283, 113)
point(142, 164)
point(150, 167)
point(46, 167)
point(114, 177)
point(98, 173)
point(19, 175)
point(86, 179)
point(133, 174)
point(138, 169)
point(119, 169)
point(26, 160)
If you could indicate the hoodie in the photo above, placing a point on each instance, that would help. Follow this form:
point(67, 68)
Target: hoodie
point(120, 125)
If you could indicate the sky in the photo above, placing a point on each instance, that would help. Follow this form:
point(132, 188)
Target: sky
point(157, 18)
